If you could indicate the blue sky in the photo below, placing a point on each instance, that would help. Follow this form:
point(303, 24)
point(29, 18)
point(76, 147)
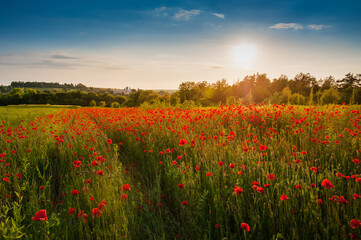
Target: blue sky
point(159, 44)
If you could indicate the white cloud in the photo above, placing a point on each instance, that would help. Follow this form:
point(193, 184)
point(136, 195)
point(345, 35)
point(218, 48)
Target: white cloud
point(295, 26)
point(186, 14)
point(220, 15)
point(317, 26)
point(161, 11)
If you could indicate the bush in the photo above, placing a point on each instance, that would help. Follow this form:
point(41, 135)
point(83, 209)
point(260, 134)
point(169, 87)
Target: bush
point(115, 105)
point(330, 96)
point(102, 104)
point(93, 103)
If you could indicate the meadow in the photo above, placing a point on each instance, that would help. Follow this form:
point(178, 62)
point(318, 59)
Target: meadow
point(229, 172)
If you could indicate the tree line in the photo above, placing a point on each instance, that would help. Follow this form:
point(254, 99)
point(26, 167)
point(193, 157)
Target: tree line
point(303, 89)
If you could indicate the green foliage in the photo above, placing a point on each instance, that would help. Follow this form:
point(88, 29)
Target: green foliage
point(93, 103)
point(330, 96)
point(115, 105)
point(102, 104)
point(256, 88)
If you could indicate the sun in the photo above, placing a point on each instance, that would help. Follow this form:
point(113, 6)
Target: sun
point(244, 55)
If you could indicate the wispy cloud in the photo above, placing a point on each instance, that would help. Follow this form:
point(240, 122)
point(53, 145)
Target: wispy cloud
point(216, 67)
point(317, 27)
point(294, 26)
point(186, 14)
point(161, 11)
point(43, 63)
point(117, 68)
point(220, 15)
point(60, 56)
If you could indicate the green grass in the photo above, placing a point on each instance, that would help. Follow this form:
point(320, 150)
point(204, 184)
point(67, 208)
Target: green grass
point(60, 149)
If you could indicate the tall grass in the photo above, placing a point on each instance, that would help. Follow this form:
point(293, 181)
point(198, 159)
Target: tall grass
point(183, 167)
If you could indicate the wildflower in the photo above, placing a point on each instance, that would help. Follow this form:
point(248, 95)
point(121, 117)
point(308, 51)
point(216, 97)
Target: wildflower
point(71, 211)
point(40, 216)
point(96, 212)
point(284, 197)
point(74, 192)
point(271, 176)
point(182, 142)
point(262, 147)
point(245, 226)
point(126, 187)
point(124, 197)
point(327, 184)
point(356, 161)
point(237, 190)
point(355, 223)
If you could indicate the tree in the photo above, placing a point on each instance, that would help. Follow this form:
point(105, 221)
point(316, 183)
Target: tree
point(93, 103)
point(330, 96)
point(278, 84)
point(15, 96)
point(102, 104)
point(302, 83)
point(328, 82)
point(115, 105)
point(187, 91)
point(349, 80)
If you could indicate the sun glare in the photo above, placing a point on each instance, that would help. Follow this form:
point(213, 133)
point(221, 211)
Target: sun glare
point(244, 55)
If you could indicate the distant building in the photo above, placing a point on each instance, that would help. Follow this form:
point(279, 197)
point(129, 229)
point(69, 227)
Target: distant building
point(125, 91)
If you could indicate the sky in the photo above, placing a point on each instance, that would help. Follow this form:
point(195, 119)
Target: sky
point(160, 44)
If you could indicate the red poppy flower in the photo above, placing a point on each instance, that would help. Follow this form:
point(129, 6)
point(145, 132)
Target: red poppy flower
point(72, 211)
point(353, 236)
point(245, 226)
point(96, 212)
point(356, 161)
point(40, 216)
point(327, 184)
point(185, 203)
point(284, 197)
point(126, 187)
point(342, 200)
point(74, 192)
point(262, 147)
point(124, 197)
point(182, 142)
point(181, 185)
point(355, 223)
point(237, 190)
point(271, 176)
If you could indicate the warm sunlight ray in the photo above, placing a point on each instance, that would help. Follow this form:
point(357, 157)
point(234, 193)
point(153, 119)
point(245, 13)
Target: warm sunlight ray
point(244, 55)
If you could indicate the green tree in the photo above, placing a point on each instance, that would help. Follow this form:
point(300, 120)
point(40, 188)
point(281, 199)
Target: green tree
point(102, 104)
point(93, 103)
point(115, 105)
point(330, 96)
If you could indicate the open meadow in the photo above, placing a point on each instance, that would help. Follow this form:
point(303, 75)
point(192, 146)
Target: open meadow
point(245, 172)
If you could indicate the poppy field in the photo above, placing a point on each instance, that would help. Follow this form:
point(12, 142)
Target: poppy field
point(228, 172)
